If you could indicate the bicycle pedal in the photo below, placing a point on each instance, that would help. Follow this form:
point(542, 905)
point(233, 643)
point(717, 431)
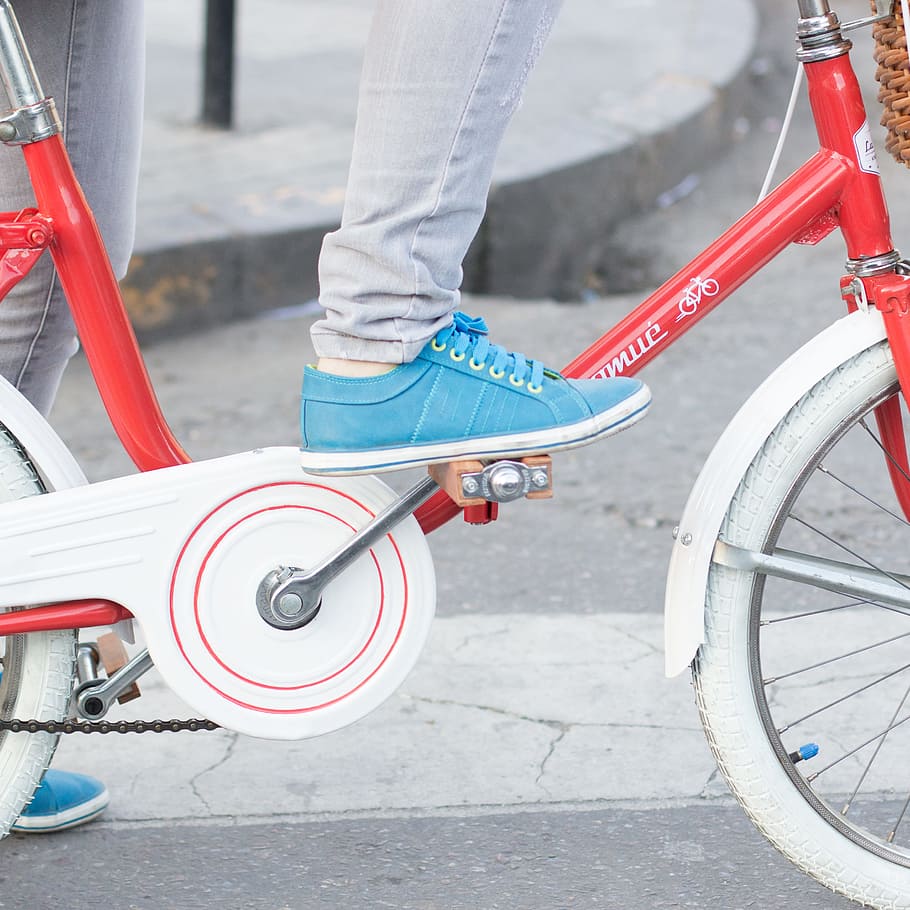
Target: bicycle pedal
point(113, 658)
point(471, 483)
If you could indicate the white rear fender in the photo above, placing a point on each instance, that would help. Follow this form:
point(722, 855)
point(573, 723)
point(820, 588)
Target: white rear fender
point(57, 467)
point(719, 478)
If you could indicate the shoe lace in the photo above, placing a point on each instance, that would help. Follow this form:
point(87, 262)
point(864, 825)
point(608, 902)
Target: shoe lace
point(468, 334)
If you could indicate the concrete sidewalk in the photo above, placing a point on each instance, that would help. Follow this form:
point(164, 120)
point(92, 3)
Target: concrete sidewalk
point(628, 100)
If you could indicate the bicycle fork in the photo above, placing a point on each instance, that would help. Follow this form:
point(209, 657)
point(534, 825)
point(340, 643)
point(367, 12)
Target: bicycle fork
point(876, 274)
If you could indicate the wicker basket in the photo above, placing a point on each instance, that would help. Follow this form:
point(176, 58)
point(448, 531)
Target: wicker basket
point(893, 75)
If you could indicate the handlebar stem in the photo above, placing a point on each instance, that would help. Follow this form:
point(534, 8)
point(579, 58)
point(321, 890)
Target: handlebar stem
point(810, 9)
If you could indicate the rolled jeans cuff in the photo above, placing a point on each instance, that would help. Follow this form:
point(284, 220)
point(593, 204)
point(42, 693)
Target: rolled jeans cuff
point(348, 347)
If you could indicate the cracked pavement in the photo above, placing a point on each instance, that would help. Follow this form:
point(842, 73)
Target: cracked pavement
point(556, 712)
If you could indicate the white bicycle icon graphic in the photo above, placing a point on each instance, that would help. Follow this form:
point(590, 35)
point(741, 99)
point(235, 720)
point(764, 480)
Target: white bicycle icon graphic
point(698, 289)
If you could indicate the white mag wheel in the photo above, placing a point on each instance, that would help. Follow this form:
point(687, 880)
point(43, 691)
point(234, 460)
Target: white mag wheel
point(787, 666)
point(349, 657)
point(37, 670)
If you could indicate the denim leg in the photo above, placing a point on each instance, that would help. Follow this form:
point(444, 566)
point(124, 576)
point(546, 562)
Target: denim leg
point(90, 58)
point(440, 82)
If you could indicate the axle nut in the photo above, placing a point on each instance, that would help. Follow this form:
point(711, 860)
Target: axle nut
point(507, 483)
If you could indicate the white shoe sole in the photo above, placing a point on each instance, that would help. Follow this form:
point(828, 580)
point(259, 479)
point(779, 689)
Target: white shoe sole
point(59, 821)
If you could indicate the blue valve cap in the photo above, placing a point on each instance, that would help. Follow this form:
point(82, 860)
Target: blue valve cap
point(804, 753)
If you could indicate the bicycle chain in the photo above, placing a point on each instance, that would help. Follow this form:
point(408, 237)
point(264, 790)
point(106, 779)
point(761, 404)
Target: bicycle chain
point(192, 725)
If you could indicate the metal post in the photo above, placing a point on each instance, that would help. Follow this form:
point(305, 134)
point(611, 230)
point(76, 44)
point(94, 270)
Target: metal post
point(16, 69)
point(809, 9)
point(218, 67)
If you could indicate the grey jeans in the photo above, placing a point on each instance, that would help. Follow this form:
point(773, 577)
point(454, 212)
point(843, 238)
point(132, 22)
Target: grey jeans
point(90, 57)
point(440, 82)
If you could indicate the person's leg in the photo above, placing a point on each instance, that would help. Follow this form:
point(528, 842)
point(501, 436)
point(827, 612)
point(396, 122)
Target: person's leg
point(89, 55)
point(440, 82)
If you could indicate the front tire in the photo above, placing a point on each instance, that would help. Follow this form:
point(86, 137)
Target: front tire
point(785, 665)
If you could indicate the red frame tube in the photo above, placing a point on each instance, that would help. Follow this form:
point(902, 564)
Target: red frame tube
point(840, 120)
point(85, 613)
point(780, 219)
point(829, 190)
point(97, 306)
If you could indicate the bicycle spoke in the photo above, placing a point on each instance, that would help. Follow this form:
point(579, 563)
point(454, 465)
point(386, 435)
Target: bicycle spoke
point(811, 778)
point(810, 613)
point(900, 818)
point(831, 660)
point(881, 742)
point(843, 698)
point(851, 552)
point(862, 495)
point(886, 453)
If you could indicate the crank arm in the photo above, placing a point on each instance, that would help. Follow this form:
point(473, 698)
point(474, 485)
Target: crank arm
point(93, 699)
point(843, 578)
point(289, 598)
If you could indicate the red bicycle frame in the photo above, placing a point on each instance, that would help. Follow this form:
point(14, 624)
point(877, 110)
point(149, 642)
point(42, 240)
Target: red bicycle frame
point(830, 190)
point(838, 187)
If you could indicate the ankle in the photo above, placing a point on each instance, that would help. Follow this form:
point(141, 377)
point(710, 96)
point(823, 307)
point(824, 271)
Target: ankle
point(353, 369)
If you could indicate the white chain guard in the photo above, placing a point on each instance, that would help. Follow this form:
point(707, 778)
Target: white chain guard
point(185, 549)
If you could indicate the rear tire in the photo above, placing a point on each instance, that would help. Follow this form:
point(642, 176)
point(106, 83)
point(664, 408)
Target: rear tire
point(37, 669)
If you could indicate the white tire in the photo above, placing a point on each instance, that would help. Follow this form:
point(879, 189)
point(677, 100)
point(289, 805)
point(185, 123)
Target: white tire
point(37, 670)
point(786, 665)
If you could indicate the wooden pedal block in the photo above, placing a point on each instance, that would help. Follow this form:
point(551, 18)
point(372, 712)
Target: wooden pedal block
point(113, 658)
point(540, 461)
point(449, 476)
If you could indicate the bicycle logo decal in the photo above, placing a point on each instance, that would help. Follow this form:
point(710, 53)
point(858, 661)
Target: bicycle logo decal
point(635, 351)
point(865, 150)
point(698, 289)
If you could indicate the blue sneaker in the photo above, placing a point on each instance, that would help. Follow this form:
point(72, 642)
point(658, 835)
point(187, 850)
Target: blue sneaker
point(463, 397)
point(62, 800)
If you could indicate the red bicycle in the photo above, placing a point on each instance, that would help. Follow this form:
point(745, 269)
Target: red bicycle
point(788, 592)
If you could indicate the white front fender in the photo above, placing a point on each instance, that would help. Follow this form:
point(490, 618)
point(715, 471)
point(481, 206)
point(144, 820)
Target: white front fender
point(684, 627)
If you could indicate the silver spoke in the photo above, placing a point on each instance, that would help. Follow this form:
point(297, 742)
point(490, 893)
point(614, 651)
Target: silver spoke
point(832, 660)
point(862, 495)
point(851, 552)
point(843, 698)
point(884, 451)
point(858, 602)
point(878, 736)
point(881, 741)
